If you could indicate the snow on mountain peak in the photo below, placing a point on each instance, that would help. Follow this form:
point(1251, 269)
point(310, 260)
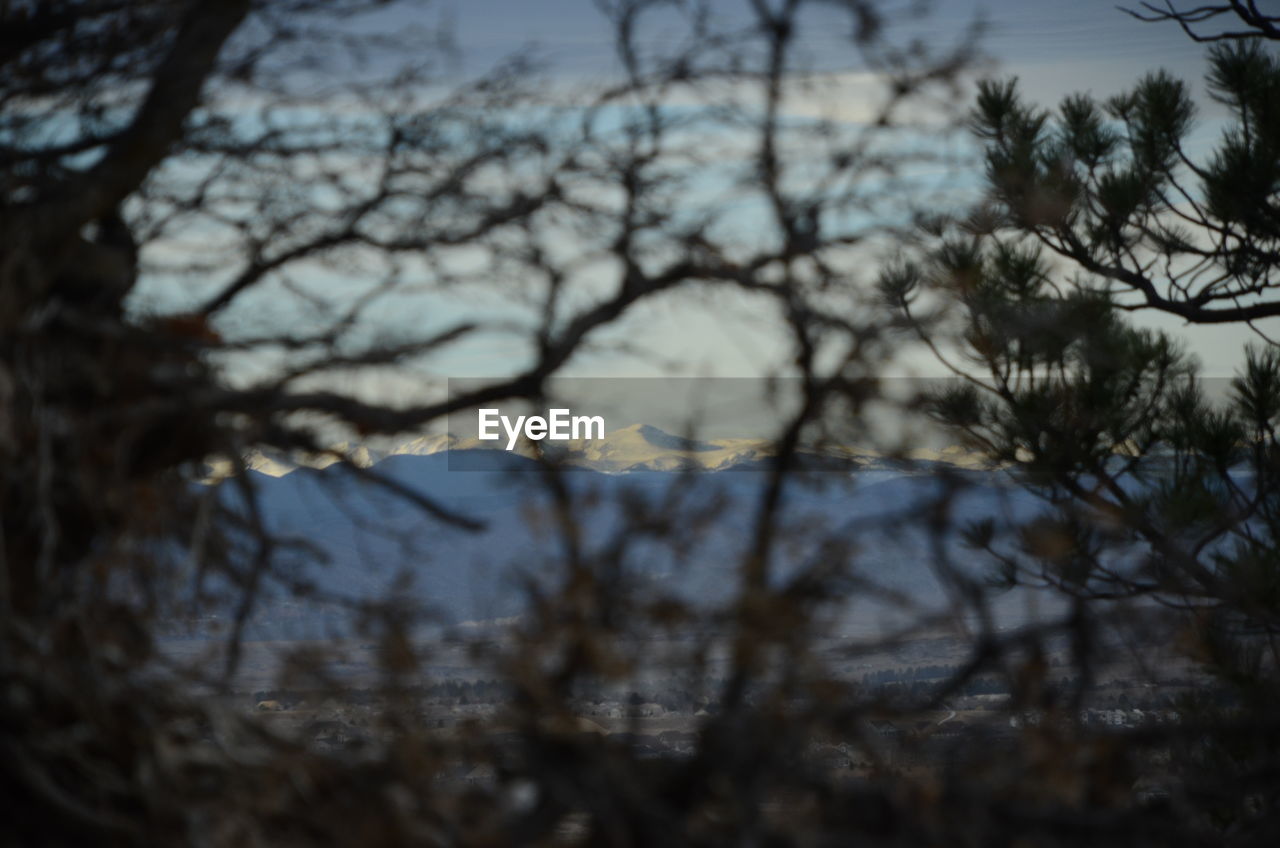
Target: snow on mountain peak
point(637, 447)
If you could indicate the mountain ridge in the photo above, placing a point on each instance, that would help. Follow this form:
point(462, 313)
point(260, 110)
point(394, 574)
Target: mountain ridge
point(634, 448)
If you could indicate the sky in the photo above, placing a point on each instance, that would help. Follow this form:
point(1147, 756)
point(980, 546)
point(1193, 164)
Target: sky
point(1054, 48)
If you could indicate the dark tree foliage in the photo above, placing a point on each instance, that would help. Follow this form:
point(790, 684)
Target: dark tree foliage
point(170, 172)
point(1163, 493)
point(1111, 188)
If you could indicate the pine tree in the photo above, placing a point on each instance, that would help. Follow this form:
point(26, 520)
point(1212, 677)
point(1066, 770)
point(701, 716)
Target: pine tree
point(1160, 497)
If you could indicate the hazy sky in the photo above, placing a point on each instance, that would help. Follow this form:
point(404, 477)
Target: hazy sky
point(1054, 47)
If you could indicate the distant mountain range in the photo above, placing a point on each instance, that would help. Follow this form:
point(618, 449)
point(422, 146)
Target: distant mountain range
point(362, 540)
point(640, 447)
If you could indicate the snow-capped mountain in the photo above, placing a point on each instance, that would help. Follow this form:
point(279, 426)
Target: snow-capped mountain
point(639, 447)
point(362, 535)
